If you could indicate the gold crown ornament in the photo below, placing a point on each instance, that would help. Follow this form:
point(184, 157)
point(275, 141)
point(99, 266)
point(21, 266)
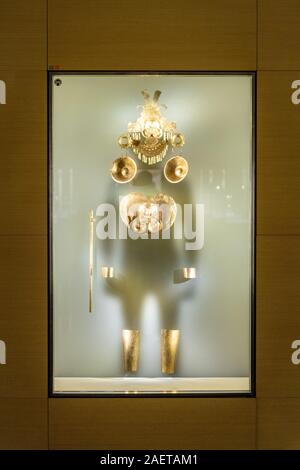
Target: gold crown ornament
point(150, 136)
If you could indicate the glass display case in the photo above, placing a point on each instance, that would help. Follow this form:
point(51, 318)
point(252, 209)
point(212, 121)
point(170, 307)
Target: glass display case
point(151, 233)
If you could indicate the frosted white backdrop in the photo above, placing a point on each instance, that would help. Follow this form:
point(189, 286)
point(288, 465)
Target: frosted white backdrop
point(214, 112)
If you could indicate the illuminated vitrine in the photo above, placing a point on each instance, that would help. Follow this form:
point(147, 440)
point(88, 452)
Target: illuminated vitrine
point(152, 223)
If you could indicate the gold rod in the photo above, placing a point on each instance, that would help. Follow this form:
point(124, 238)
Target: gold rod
point(91, 259)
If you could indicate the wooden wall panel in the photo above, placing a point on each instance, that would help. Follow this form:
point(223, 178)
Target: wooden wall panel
point(23, 163)
point(23, 229)
point(146, 423)
point(23, 424)
point(131, 35)
point(23, 319)
point(278, 315)
point(23, 34)
point(278, 39)
point(278, 163)
point(278, 424)
point(91, 35)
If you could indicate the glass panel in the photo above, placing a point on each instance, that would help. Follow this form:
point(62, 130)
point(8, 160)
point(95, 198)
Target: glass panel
point(151, 233)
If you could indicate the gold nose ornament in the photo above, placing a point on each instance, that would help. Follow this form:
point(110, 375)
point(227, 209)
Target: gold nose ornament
point(123, 170)
point(176, 169)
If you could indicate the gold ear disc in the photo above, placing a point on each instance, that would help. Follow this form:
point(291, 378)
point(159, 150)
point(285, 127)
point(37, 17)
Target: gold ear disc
point(176, 169)
point(123, 170)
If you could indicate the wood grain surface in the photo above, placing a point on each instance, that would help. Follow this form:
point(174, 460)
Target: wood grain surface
point(131, 35)
point(278, 424)
point(278, 148)
point(23, 319)
point(152, 423)
point(23, 35)
point(278, 315)
point(23, 162)
point(278, 34)
point(23, 424)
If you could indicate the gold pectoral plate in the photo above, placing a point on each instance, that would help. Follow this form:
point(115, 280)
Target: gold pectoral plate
point(148, 214)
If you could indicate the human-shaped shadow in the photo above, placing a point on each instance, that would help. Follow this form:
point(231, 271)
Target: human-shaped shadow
point(148, 265)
